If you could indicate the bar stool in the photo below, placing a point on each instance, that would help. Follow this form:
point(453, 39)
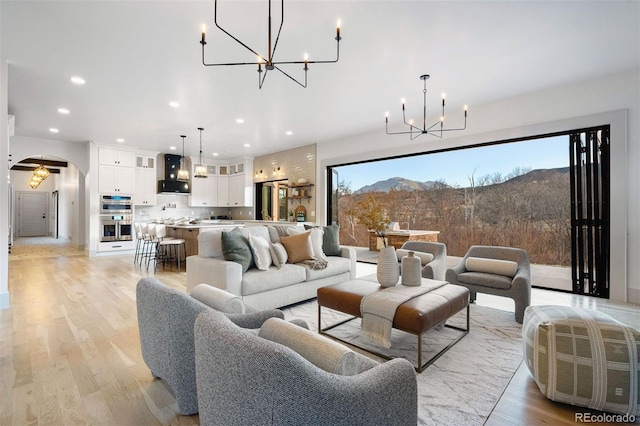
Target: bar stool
point(137, 230)
point(148, 231)
point(167, 249)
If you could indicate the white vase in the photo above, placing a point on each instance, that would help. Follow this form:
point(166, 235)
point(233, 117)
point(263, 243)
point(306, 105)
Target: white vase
point(411, 270)
point(388, 272)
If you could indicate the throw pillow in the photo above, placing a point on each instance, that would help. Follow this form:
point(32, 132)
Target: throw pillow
point(322, 352)
point(330, 239)
point(507, 268)
point(218, 299)
point(210, 244)
point(316, 243)
point(261, 252)
point(278, 254)
point(235, 248)
point(298, 247)
point(424, 257)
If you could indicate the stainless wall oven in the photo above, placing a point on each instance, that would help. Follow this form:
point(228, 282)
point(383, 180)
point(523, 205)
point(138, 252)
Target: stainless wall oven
point(115, 228)
point(118, 204)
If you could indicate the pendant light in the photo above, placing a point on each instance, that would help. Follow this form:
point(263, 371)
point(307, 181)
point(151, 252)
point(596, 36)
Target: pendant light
point(201, 169)
point(183, 172)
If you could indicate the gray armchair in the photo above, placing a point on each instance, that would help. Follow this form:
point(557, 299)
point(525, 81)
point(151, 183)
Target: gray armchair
point(244, 379)
point(435, 269)
point(165, 321)
point(517, 287)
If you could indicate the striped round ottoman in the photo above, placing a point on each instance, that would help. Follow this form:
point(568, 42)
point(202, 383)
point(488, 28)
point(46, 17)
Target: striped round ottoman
point(583, 357)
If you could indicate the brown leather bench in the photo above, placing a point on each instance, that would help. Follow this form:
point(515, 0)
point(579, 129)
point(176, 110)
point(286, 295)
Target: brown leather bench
point(414, 316)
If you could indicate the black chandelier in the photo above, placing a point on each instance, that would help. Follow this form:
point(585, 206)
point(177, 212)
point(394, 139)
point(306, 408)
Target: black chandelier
point(436, 129)
point(267, 61)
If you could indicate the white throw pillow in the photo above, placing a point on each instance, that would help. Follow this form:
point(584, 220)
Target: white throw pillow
point(491, 266)
point(424, 257)
point(210, 243)
point(317, 235)
point(218, 299)
point(278, 254)
point(261, 252)
point(322, 352)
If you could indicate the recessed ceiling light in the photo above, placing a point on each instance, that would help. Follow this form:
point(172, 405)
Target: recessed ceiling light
point(54, 130)
point(63, 111)
point(239, 120)
point(215, 154)
point(172, 148)
point(120, 140)
point(288, 133)
point(246, 145)
point(77, 80)
point(173, 104)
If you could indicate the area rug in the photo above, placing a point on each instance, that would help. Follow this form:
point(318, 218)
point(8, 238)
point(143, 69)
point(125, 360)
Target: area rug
point(465, 383)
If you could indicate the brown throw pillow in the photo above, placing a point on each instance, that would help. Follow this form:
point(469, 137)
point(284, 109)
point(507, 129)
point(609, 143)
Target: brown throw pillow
point(298, 247)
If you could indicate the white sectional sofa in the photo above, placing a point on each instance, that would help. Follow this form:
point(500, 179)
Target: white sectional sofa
point(265, 289)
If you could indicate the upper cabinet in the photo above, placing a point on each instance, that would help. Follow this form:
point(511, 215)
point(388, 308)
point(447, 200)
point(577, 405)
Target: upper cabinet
point(114, 179)
point(145, 161)
point(204, 191)
point(116, 157)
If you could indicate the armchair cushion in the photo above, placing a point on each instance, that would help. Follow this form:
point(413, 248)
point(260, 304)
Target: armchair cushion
point(506, 268)
point(424, 257)
point(485, 280)
point(318, 350)
point(218, 299)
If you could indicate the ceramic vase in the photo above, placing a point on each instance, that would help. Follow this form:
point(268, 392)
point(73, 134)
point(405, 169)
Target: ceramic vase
point(411, 270)
point(388, 272)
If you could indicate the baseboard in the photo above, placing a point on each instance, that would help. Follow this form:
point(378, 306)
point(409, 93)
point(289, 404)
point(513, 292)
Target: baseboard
point(4, 300)
point(633, 295)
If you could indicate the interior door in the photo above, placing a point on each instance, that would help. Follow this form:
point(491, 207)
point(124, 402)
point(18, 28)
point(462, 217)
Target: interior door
point(32, 214)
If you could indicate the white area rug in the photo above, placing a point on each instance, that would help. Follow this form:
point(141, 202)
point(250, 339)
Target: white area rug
point(464, 384)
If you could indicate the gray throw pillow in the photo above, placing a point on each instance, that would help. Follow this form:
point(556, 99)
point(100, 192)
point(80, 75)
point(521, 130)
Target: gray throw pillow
point(330, 239)
point(236, 248)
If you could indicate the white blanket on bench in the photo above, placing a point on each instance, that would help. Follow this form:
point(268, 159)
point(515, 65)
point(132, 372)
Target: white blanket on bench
point(379, 308)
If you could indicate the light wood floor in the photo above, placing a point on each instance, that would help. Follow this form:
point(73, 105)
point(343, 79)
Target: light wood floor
point(70, 352)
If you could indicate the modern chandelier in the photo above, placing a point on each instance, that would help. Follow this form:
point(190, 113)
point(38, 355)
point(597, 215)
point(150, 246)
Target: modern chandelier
point(40, 173)
point(201, 169)
point(436, 129)
point(183, 172)
point(268, 60)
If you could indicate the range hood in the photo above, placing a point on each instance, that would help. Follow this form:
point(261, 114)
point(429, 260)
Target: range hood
point(171, 184)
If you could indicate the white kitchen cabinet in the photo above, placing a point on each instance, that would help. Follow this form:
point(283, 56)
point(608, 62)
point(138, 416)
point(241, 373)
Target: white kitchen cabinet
point(145, 187)
point(115, 179)
point(204, 191)
point(115, 157)
point(223, 191)
point(145, 161)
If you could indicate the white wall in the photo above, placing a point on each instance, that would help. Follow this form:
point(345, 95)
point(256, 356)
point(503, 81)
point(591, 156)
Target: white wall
point(69, 205)
point(4, 184)
point(608, 100)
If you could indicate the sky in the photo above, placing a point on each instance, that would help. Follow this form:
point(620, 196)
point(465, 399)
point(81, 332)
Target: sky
point(455, 167)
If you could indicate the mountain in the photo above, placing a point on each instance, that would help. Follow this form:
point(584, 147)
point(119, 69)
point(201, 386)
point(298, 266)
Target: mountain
point(402, 184)
point(398, 183)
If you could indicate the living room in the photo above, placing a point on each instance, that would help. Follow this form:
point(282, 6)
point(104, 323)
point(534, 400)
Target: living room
point(536, 92)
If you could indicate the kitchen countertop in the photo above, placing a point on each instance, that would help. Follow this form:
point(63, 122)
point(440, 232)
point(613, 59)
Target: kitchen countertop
point(220, 223)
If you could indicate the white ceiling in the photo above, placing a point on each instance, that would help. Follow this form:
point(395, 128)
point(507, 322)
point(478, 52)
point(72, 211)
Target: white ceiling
point(137, 56)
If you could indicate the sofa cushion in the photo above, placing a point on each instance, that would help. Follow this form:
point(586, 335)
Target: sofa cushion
point(210, 243)
point(335, 266)
point(424, 257)
point(507, 268)
point(322, 352)
point(259, 231)
point(298, 247)
point(278, 254)
point(218, 299)
point(330, 239)
point(261, 252)
point(235, 248)
point(256, 281)
point(485, 280)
